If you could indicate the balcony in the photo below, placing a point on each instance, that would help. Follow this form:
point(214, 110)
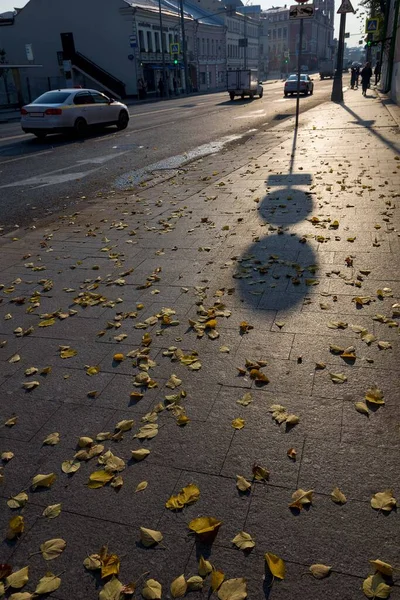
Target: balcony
point(156, 57)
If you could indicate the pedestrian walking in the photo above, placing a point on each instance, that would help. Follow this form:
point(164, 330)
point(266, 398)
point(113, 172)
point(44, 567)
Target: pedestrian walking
point(175, 84)
point(377, 72)
point(366, 75)
point(355, 73)
point(161, 87)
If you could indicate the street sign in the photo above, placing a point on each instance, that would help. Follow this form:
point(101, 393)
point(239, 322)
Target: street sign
point(29, 51)
point(345, 7)
point(174, 48)
point(133, 41)
point(372, 25)
point(301, 11)
point(67, 65)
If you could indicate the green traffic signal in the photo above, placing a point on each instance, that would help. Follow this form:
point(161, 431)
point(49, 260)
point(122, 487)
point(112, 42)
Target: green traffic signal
point(175, 62)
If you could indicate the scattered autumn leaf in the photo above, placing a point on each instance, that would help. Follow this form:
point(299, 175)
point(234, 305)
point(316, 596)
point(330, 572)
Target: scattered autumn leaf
point(276, 565)
point(374, 586)
point(52, 511)
point(362, 408)
point(243, 541)
point(374, 395)
point(320, 571)
point(53, 548)
point(301, 498)
point(150, 537)
point(141, 486)
point(188, 495)
point(382, 567)
point(178, 587)
point(238, 423)
point(152, 590)
point(338, 497)
point(43, 480)
point(18, 579)
point(16, 526)
point(217, 577)
point(383, 501)
point(140, 454)
point(233, 589)
point(242, 484)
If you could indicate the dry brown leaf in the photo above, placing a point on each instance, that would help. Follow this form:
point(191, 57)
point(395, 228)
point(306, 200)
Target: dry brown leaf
point(276, 565)
point(243, 541)
point(320, 571)
point(338, 497)
point(238, 423)
point(53, 548)
point(242, 484)
point(374, 395)
point(233, 589)
point(292, 453)
point(301, 498)
point(150, 537)
point(178, 587)
point(383, 501)
point(43, 480)
point(374, 586)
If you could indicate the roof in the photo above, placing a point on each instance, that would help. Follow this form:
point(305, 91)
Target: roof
point(173, 6)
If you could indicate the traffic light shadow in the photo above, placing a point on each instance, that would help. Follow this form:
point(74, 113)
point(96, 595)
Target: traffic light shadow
point(369, 124)
point(274, 270)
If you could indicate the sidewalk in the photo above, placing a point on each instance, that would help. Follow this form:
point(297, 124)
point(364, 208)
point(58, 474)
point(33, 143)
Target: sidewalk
point(277, 249)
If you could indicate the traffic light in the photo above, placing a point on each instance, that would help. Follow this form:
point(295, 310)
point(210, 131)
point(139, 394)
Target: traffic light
point(175, 59)
point(286, 61)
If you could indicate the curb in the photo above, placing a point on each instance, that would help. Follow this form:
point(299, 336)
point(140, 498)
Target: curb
point(392, 108)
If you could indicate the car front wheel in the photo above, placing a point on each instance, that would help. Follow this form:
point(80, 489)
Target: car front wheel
point(311, 91)
point(123, 120)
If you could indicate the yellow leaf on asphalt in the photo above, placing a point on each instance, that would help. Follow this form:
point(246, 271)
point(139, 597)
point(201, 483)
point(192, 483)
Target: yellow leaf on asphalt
point(92, 370)
point(243, 541)
point(292, 420)
point(47, 322)
point(52, 548)
point(217, 577)
point(182, 420)
point(140, 454)
point(52, 511)
point(242, 484)
point(383, 501)
point(178, 587)
point(21, 596)
point(99, 479)
point(187, 495)
point(18, 579)
point(111, 590)
point(203, 525)
point(245, 399)
point(301, 498)
point(374, 586)
point(70, 466)
point(30, 385)
point(84, 441)
point(147, 431)
point(7, 456)
point(68, 353)
point(15, 358)
point(43, 480)
point(362, 408)
point(338, 377)
point(338, 497)
point(173, 382)
point(320, 571)
point(374, 395)
point(233, 589)
point(260, 473)
point(238, 423)
point(150, 537)
point(141, 486)
point(16, 526)
point(152, 590)
point(205, 567)
point(92, 562)
point(18, 501)
point(195, 583)
point(276, 565)
point(47, 584)
point(382, 567)
point(52, 439)
point(125, 425)
point(110, 565)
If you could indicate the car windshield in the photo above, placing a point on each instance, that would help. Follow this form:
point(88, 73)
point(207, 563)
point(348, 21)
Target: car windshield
point(294, 77)
point(52, 98)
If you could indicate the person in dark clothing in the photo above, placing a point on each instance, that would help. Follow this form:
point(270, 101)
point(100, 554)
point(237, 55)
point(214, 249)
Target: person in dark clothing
point(175, 84)
point(377, 72)
point(366, 75)
point(355, 73)
point(161, 87)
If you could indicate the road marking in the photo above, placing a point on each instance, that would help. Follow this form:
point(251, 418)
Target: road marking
point(5, 162)
point(105, 138)
point(14, 137)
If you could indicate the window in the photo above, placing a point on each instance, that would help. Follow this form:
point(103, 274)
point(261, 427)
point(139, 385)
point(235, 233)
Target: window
point(52, 98)
point(204, 46)
point(141, 41)
point(284, 32)
point(202, 78)
point(208, 47)
point(279, 33)
point(274, 34)
point(171, 40)
point(212, 48)
point(149, 41)
point(83, 98)
point(157, 41)
point(166, 48)
point(100, 98)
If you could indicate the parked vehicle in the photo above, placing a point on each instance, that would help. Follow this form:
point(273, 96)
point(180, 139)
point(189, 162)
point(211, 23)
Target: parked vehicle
point(326, 69)
point(244, 83)
point(75, 110)
point(306, 85)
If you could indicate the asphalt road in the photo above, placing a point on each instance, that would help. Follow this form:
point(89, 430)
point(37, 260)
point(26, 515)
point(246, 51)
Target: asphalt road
point(38, 178)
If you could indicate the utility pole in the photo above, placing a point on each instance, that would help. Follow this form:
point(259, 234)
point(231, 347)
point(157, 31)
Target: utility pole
point(184, 52)
point(298, 73)
point(337, 88)
point(166, 87)
point(245, 41)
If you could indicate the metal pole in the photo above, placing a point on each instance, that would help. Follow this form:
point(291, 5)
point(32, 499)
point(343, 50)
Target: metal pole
point(166, 88)
point(298, 74)
point(185, 64)
point(337, 88)
point(245, 41)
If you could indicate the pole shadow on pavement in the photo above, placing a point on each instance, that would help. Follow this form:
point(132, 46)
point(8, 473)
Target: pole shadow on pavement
point(369, 124)
point(273, 271)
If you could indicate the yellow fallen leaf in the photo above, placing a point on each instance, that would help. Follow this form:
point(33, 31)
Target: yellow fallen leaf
point(374, 395)
point(92, 562)
point(182, 420)
point(260, 473)
point(141, 486)
point(233, 589)
point(152, 590)
point(52, 511)
point(110, 565)
point(43, 480)
point(301, 498)
point(292, 453)
point(276, 565)
point(205, 527)
point(243, 541)
point(362, 408)
point(118, 357)
point(92, 370)
point(205, 567)
point(68, 353)
point(242, 484)
point(338, 377)
point(18, 579)
point(18, 501)
point(195, 583)
point(15, 358)
point(30, 385)
point(320, 571)
point(111, 590)
point(178, 587)
point(147, 432)
point(173, 382)
point(374, 586)
point(292, 420)
point(70, 466)
point(16, 526)
point(47, 584)
point(7, 456)
point(21, 596)
point(140, 454)
point(53, 548)
point(217, 577)
point(11, 422)
point(238, 423)
point(99, 479)
point(188, 495)
point(51, 439)
point(338, 497)
point(150, 537)
point(382, 567)
point(47, 322)
point(383, 501)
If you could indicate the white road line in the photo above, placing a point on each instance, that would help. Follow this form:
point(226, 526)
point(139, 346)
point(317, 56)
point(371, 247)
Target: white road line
point(14, 137)
point(5, 162)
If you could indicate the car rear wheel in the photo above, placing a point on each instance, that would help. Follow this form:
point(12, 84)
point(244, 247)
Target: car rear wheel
point(80, 127)
point(40, 134)
point(311, 91)
point(231, 95)
point(286, 94)
point(123, 120)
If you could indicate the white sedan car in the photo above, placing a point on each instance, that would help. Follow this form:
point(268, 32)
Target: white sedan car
point(306, 85)
point(59, 111)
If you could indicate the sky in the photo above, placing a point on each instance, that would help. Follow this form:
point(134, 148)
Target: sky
point(353, 24)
